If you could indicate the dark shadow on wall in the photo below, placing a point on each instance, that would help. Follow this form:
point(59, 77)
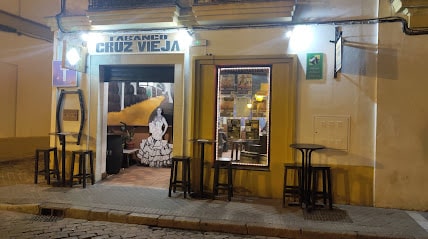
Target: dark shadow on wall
point(368, 60)
point(388, 64)
point(358, 60)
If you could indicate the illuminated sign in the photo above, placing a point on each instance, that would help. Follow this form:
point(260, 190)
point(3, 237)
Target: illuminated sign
point(135, 43)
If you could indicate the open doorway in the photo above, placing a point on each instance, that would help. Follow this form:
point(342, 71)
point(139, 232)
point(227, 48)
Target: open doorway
point(137, 176)
point(140, 113)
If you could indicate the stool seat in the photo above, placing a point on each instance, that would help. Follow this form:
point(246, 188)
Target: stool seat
point(82, 174)
point(46, 171)
point(223, 163)
point(184, 182)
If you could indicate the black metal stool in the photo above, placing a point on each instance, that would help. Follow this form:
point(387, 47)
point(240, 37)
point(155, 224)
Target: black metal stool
point(185, 175)
point(223, 163)
point(326, 193)
point(293, 190)
point(82, 175)
point(47, 171)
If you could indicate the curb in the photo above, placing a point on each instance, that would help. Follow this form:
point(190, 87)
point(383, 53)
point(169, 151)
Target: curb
point(189, 223)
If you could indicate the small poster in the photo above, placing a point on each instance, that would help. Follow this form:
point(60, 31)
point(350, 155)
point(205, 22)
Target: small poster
point(62, 77)
point(245, 83)
point(226, 106)
point(234, 128)
point(314, 66)
point(227, 83)
point(242, 109)
point(252, 129)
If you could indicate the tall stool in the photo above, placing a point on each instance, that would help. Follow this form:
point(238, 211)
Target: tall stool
point(82, 175)
point(223, 163)
point(293, 189)
point(47, 171)
point(326, 193)
point(185, 175)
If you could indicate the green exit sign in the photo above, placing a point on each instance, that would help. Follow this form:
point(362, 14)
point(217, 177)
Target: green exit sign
point(199, 42)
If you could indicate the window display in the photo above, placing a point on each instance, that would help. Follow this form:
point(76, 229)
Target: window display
point(243, 114)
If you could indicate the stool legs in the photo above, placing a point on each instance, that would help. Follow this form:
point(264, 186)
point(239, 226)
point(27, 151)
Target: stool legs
point(56, 164)
point(82, 175)
point(73, 157)
point(326, 186)
point(215, 186)
point(47, 171)
point(294, 190)
point(223, 163)
point(185, 175)
point(229, 182)
point(171, 178)
point(46, 162)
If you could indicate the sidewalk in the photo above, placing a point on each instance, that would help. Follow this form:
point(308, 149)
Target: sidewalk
point(151, 206)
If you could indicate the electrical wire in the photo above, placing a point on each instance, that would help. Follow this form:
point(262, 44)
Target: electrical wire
point(406, 29)
point(59, 16)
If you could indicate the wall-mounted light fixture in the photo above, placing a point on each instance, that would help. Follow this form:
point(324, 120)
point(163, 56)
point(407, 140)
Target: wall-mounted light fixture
point(74, 57)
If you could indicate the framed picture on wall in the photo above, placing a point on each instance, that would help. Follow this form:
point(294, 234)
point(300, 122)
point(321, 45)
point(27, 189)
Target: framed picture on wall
point(62, 77)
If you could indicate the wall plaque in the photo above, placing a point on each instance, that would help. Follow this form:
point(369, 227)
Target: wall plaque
point(70, 115)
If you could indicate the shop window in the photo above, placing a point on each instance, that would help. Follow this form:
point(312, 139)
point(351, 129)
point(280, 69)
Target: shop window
point(243, 113)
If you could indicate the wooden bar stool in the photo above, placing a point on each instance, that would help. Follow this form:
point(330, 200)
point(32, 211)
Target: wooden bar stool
point(294, 189)
point(326, 193)
point(46, 171)
point(223, 163)
point(82, 175)
point(184, 182)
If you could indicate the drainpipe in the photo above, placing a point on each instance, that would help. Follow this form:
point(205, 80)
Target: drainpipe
point(60, 14)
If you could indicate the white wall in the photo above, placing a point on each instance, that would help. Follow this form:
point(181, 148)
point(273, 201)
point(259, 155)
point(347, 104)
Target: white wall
point(352, 93)
point(8, 80)
point(402, 125)
point(35, 10)
point(33, 59)
point(32, 96)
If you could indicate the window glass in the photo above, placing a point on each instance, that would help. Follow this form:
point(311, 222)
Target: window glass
point(243, 95)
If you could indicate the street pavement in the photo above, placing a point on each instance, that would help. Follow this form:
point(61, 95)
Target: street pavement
point(243, 216)
point(22, 225)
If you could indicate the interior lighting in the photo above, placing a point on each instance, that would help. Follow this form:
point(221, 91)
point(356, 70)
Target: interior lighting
point(259, 98)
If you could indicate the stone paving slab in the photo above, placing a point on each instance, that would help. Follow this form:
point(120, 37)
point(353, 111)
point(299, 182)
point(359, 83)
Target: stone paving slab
point(253, 216)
